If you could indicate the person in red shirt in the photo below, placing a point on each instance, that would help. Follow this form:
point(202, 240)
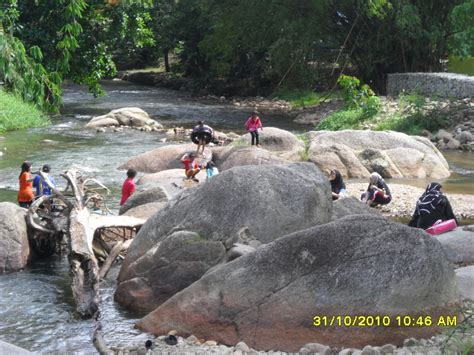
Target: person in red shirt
point(191, 167)
point(128, 187)
point(253, 124)
point(25, 194)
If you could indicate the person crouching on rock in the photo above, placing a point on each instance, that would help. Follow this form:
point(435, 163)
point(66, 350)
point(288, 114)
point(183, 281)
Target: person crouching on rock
point(128, 187)
point(431, 207)
point(253, 124)
point(378, 192)
point(202, 135)
point(25, 194)
point(191, 167)
point(338, 187)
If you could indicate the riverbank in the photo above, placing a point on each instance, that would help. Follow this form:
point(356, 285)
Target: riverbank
point(16, 114)
point(405, 197)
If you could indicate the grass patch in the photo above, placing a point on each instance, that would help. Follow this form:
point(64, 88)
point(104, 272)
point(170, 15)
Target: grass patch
point(345, 119)
point(16, 114)
point(303, 98)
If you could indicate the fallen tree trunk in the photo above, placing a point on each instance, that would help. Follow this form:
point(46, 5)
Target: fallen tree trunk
point(80, 231)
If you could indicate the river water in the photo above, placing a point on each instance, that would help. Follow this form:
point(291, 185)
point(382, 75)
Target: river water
point(36, 306)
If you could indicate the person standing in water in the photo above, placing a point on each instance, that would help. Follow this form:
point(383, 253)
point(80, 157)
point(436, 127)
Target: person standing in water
point(42, 188)
point(128, 187)
point(25, 194)
point(253, 124)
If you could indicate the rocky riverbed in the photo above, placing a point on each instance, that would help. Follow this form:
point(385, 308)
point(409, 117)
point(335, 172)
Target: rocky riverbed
point(405, 197)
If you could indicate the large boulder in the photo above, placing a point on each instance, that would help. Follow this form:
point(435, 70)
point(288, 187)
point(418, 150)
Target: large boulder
point(357, 265)
point(349, 206)
point(145, 211)
point(392, 154)
point(458, 244)
point(14, 247)
point(163, 158)
point(242, 205)
point(242, 156)
point(173, 180)
point(154, 194)
point(465, 281)
point(276, 140)
point(127, 116)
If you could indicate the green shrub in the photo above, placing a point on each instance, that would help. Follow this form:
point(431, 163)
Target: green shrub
point(16, 114)
point(358, 96)
point(344, 119)
point(413, 124)
point(303, 98)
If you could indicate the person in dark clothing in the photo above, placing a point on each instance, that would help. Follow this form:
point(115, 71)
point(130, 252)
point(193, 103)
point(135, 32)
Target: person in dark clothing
point(338, 187)
point(431, 207)
point(378, 192)
point(202, 135)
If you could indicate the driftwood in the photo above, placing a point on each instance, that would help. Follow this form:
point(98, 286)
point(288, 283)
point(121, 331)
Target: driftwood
point(79, 231)
point(98, 341)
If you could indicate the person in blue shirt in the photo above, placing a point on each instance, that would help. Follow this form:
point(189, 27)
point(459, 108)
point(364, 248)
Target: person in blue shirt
point(211, 170)
point(41, 187)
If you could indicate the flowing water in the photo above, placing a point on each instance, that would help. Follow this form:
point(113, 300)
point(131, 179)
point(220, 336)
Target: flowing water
point(36, 306)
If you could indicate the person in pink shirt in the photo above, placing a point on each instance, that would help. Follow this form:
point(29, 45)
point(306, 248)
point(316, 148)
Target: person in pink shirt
point(253, 124)
point(128, 187)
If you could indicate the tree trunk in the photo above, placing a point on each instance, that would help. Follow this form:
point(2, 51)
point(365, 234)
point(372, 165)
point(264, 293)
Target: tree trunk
point(167, 61)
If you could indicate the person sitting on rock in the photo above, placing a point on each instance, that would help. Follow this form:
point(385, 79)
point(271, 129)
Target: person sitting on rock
point(253, 124)
point(378, 192)
point(431, 207)
point(202, 135)
point(191, 167)
point(211, 170)
point(128, 187)
point(42, 188)
point(338, 187)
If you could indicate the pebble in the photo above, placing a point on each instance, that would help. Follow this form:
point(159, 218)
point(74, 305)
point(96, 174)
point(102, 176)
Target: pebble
point(369, 350)
point(312, 348)
point(387, 349)
point(410, 342)
point(211, 343)
point(242, 347)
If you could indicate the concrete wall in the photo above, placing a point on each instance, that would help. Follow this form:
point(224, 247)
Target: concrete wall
point(446, 85)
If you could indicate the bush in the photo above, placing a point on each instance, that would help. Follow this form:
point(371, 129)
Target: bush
point(413, 124)
point(358, 96)
point(344, 119)
point(16, 114)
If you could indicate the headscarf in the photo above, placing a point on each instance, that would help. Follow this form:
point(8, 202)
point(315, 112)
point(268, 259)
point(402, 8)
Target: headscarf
point(375, 178)
point(430, 200)
point(337, 184)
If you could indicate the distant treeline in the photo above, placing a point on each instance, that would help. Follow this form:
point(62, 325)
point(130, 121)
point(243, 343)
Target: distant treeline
point(259, 43)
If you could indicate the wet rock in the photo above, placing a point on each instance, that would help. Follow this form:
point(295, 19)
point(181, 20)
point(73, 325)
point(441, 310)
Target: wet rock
point(315, 348)
point(453, 144)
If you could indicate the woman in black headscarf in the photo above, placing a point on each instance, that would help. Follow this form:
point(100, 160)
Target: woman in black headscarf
point(338, 187)
point(431, 207)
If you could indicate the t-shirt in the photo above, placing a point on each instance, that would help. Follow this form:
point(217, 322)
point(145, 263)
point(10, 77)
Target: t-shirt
point(128, 188)
point(253, 125)
point(42, 186)
point(188, 165)
point(211, 172)
point(25, 194)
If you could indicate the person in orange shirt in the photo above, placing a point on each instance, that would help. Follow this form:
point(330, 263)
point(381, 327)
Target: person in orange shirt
point(25, 195)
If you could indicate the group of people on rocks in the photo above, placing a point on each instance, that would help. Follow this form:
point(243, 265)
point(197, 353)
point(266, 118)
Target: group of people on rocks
point(431, 208)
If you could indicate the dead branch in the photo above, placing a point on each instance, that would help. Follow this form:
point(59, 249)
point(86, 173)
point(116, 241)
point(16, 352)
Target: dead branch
point(98, 341)
point(110, 259)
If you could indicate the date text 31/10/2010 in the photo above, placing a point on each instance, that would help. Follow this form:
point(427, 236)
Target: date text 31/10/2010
point(384, 321)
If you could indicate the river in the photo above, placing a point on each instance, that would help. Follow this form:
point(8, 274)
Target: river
point(36, 306)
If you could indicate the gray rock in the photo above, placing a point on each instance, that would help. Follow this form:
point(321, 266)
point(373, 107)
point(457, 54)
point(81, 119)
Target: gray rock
point(145, 211)
point(393, 153)
point(163, 158)
point(354, 265)
point(256, 197)
point(6, 348)
point(238, 250)
point(459, 245)
point(348, 351)
point(465, 137)
point(453, 144)
point(127, 116)
point(410, 342)
point(349, 206)
point(369, 350)
point(444, 135)
point(387, 349)
point(14, 247)
point(315, 348)
point(465, 281)
point(243, 156)
point(152, 195)
point(242, 347)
